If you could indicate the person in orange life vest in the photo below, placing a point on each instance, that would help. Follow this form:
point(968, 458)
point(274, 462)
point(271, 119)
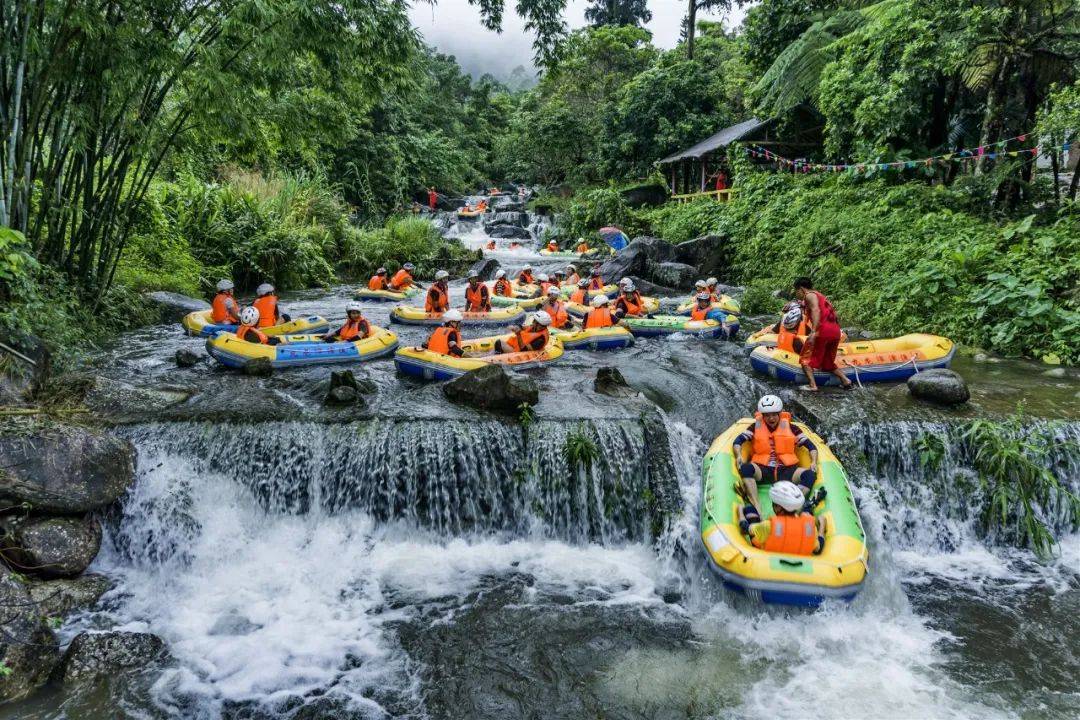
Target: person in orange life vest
point(559, 280)
point(482, 206)
point(703, 307)
point(595, 281)
point(791, 330)
point(224, 310)
point(446, 339)
point(792, 529)
point(432, 198)
point(700, 287)
point(403, 279)
point(503, 287)
point(600, 316)
point(438, 296)
point(379, 281)
point(582, 246)
point(775, 439)
point(581, 295)
point(545, 282)
point(267, 305)
point(554, 306)
point(515, 245)
point(525, 277)
point(477, 295)
point(552, 246)
point(249, 328)
point(532, 338)
point(824, 338)
point(629, 301)
point(711, 288)
point(356, 326)
point(490, 245)
point(572, 276)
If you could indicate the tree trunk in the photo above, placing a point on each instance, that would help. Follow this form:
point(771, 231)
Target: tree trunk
point(992, 117)
point(1075, 182)
point(691, 22)
point(1054, 165)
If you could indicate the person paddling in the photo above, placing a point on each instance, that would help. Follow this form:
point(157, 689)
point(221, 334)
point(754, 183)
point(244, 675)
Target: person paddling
point(773, 458)
point(249, 329)
point(525, 277)
point(572, 276)
point(791, 530)
point(582, 246)
point(629, 301)
point(356, 326)
point(824, 338)
point(702, 308)
point(552, 246)
point(596, 282)
point(224, 310)
point(581, 295)
point(446, 339)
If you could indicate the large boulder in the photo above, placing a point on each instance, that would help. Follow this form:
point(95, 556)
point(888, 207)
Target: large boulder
point(645, 194)
point(492, 388)
point(509, 232)
point(648, 287)
point(50, 547)
point(28, 649)
point(673, 274)
point(710, 254)
point(28, 366)
point(173, 306)
point(939, 385)
point(345, 389)
point(628, 261)
point(485, 268)
point(655, 249)
point(65, 469)
point(116, 401)
point(93, 656)
point(517, 218)
point(60, 597)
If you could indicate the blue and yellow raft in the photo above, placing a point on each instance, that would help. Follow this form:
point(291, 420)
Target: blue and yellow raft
point(300, 350)
point(198, 323)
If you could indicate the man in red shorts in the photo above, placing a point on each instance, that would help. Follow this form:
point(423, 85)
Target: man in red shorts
point(824, 339)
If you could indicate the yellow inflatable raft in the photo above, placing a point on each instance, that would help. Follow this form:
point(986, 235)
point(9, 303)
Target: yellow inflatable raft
point(409, 315)
point(609, 290)
point(298, 350)
point(765, 336)
point(725, 302)
point(427, 365)
point(609, 338)
point(651, 305)
point(892, 360)
point(199, 324)
point(385, 295)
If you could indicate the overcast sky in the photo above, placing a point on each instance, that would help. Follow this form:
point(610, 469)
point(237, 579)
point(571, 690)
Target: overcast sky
point(453, 26)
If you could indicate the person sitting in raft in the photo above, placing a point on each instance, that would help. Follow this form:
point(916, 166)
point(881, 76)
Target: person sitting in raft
point(490, 245)
point(559, 279)
point(403, 279)
point(438, 295)
point(525, 277)
point(595, 281)
point(629, 301)
point(700, 287)
point(503, 287)
point(379, 281)
point(532, 338)
point(600, 316)
point(446, 339)
point(224, 310)
point(773, 457)
point(477, 295)
point(702, 308)
point(552, 246)
point(791, 330)
point(824, 338)
point(482, 206)
point(515, 245)
point(356, 326)
point(792, 529)
point(545, 283)
point(556, 308)
point(249, 328)
point(582, 246)
point(572, 276)
point(267, 305)
point(711, 287)
point(581, 295)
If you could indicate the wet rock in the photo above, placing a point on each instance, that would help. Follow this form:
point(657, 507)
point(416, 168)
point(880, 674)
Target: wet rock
point(1058, 372)
point(174, 306)
point(343, 395)
point(939, 385)
point(673, 274)
point(93, 656)
point(646, 194)
point(544, 209)
point(28, 649)
point(609, 381)
point(187, 358)
point(50, 547)
point(654, 248)
point(65, 469)
point(646, 287)
point(485, 268)
point(119, 402)
point(60, 597)
point(708, 253)
point(345, 389)
point(259, 367)
point(492, 388)
point(509, 232)
point(29, 363)
point(516, 218)
point(981, 357)
point(628, 261)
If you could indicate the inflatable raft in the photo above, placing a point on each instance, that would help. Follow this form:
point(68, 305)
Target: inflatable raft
point(298, 350)
point(524, 303)
point(610, 338)
point(891, 360)
point(725, 302)
point(409, 315)
point(564, 254)
point(469, 214)
point(650, 305)
point(766, 337)
point(385, 295)
point(426, 365)
point(198, 323)
point(771, 577)
point(609, 290)
point(662, 325)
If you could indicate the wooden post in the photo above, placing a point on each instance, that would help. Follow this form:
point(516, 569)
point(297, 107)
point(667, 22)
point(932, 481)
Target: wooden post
point(704, 162)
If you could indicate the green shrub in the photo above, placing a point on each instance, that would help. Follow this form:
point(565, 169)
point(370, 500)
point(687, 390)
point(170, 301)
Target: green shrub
point(403, 240)
point(599, 208)
point(679, 222)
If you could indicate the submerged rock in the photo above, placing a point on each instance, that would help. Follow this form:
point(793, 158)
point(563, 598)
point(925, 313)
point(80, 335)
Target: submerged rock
point(609, 381)
point(60, 597)
point(174, 306)
point(50, 546)
point(492, 388)
point(187, 358)
point(259, 367)
point(98, 655)
point(65, 469)
point(28, 649)
point(939, 385)
point(342, 395)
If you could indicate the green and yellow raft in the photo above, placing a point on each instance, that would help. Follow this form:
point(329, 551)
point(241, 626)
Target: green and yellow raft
point(777, 578)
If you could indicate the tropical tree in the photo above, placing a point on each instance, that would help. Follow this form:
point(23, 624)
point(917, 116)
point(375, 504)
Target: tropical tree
point(618, 12)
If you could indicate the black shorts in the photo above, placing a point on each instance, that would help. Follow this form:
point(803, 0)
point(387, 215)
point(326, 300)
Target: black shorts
point(768, 474)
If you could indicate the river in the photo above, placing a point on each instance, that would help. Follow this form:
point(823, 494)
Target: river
point(420, 560)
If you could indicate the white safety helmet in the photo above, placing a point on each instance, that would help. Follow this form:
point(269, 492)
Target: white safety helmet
point(787, 495)
point(527, 266)
point(381, 271)
point(792, 318)
point(441, 275)
point(264, 289)
point(409, 266)
point(453, 316)
point(224, 285)
point(700, 284)
point(543, 277)
point(770, 404)
point(554, 291)
point(704, 296)
point(629, 286)
point(711, 281)
point(500, 274)
point(542, 317)
point(599, 301)
point(249, 315)
point(572, 268)
point(791, 305)
point(583, 283)
point(626, 281)
point(560, 272)
point(354, 306)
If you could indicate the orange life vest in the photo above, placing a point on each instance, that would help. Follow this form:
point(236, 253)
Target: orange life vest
point(557, 311)
point(596, 283)
point(352, 329)
point(490, 245)
point(440, 340)
point(792, 534)
point(785, 339)
point(477, 300)
point(580, 296)
point(437, 300)
point(573, 279)
point(553, 246)
point(599, 318)
point(582, 248)
point(401, 280)
point(780, 441)
point(544, 287)
point(503, 287)
point(223, 309)
point(632, 303)
point(377, 282)
point(522, 341)
point(243, 331)
point(700, 313)
point(525, 278)
point(267, 307)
